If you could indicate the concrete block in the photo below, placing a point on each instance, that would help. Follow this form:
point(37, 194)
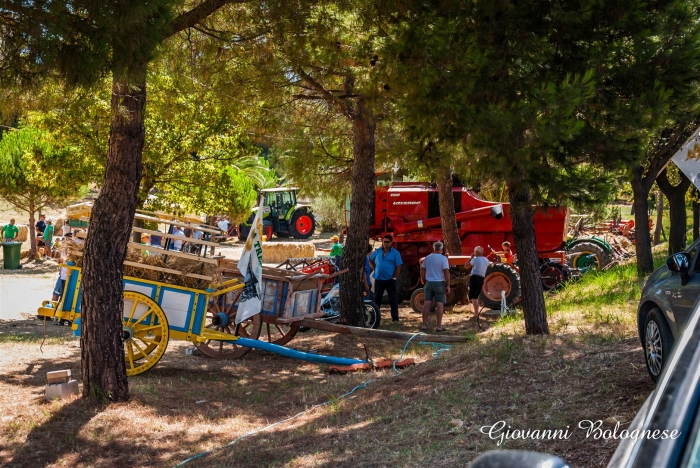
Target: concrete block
point(193, 352)
point(61, 390)
point(61, 376)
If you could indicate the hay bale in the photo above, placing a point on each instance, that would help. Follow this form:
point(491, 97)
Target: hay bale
point(23, 233)
point(278, 252)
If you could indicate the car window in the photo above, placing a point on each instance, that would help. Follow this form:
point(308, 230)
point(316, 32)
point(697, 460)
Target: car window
point(693, 252)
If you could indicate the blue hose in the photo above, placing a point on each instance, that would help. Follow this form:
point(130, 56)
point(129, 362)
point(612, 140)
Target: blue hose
point(294, 354)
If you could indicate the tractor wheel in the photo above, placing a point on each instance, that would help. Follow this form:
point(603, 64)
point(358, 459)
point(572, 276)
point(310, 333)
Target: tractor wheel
point(267, 230)
point(587, 255)
point(500, 277)
point(553, 275)
point(418, 300)
point(302, 225)
point(403, 284)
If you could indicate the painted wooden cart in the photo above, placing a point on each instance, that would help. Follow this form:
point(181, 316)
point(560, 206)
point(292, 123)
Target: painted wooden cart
point(154, 313)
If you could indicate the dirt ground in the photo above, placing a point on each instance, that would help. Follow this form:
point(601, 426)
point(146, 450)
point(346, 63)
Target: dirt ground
point(431, 414)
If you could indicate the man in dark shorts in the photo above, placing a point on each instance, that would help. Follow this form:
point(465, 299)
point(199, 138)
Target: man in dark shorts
point(40, 226)
point(435, 272)
point(479, 264)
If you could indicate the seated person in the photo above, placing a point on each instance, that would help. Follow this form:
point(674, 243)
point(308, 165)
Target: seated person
point(507, 255)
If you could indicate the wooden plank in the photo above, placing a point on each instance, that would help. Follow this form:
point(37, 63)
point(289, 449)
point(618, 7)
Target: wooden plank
point(176, 223)
point(173, 236)
point(163, 221)
point(164, 270)
point(370, 333)
point(167, 270)
point(172, 253)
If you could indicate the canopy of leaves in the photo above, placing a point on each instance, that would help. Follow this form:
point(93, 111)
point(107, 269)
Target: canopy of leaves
point(550, 94)
point(36, 173)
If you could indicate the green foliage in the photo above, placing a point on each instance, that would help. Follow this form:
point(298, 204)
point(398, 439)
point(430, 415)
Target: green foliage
point(551, 95)
point(36, 173)
point(329, 212)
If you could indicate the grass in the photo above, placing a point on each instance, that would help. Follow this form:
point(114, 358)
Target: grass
point(590, 367)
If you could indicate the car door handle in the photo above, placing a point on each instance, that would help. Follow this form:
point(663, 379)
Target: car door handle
point(668, 293)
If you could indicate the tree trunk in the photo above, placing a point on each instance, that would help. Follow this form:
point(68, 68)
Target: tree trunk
point(355, 249)
point(32, 232)
point(450, 232)
point(677, 214)
point(659, 217)
point(103, 367)
point(642, 237)
point(522, 218)
point(696, 220)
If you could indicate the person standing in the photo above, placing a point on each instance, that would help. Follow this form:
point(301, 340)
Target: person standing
point(386, 263)
point(367, 274)
point(435, 272)
point(66, 227)
point(40, 227)
point(177, 244)
point(336, 254)
point(478, 264)
point(10, 231)
point(48, 238)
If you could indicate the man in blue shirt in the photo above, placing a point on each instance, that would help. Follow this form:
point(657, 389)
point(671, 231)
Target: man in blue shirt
point(386, 263)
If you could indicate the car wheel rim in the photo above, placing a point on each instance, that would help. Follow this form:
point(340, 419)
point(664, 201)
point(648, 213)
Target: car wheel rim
point(654, 348)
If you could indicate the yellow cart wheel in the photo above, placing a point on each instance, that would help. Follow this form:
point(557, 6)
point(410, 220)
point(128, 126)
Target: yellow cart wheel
point(145, 332)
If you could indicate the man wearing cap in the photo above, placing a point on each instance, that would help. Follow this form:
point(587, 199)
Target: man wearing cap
point(10, 231)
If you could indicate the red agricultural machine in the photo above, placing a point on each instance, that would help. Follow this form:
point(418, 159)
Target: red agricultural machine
point(410, 212)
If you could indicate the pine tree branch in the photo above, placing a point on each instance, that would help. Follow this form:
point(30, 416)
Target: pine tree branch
point(327, 95)
point(197, 15)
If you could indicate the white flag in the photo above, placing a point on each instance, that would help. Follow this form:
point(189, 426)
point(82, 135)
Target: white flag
point(250, 266)
point(688, 158)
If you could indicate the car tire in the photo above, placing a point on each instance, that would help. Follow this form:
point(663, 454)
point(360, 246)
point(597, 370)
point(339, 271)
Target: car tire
point(658, 343)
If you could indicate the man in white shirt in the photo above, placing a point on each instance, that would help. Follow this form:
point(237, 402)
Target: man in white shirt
point(224, 225)
point(435, 271)
point(177, 243)
point(479, 264)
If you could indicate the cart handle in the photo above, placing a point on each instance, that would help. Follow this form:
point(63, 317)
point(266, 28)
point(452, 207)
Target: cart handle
point(229, 289)
point(229, 282)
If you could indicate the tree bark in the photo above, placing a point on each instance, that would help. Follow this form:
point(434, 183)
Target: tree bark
point(522, 218)
point(450, 230)
point(642, 237)
point(361, 202)
point(32, 233)
point(103, 367)
point(677, 214)
point(659, 217)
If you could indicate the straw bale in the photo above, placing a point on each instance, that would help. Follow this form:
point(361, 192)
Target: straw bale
point(23, 233)
point(278, 252)
point(626, 244)
point(184, 265)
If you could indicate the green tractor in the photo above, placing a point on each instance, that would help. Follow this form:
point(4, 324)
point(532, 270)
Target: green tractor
point(282, 215)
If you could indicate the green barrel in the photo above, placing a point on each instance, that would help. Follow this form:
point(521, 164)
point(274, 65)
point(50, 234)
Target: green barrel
point(11, 252)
